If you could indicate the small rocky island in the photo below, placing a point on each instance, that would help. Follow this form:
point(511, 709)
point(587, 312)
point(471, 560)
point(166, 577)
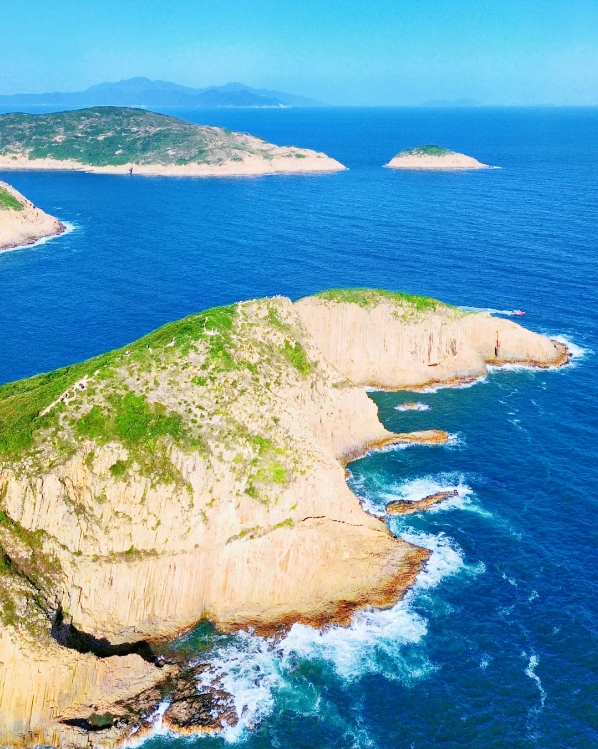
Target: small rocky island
point(123, 140)
point(433, 157)
point(21, 223)
point(198, 473)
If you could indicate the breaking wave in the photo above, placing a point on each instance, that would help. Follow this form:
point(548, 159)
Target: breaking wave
point(68, 228)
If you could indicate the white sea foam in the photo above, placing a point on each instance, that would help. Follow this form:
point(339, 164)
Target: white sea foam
point(575, 351)
point(415, 407)
point(255, 670)
point(68, 228)
point(531, 672)
point(437, 386)
point(375, 499)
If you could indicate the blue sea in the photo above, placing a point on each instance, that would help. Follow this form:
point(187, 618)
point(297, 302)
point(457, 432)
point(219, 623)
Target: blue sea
point(496, 646)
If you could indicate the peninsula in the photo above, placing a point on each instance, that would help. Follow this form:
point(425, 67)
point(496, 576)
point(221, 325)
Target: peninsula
point(21, 223)
point(122, 140)
point(434, 157)
point(198, 473)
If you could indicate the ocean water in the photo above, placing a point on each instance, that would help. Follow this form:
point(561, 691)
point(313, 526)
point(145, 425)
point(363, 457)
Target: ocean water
point(497, 643)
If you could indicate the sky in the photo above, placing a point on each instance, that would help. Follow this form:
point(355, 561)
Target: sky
point(345, 52)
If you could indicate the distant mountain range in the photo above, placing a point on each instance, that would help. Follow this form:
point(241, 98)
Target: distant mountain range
point(448, 103)
point(143, 92)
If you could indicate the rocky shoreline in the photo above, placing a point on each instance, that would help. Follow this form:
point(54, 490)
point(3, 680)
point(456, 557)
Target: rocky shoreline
point(21, 222)
point(237, 512)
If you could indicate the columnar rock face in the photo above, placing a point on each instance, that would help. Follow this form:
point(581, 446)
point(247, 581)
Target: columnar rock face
point(198, 473)
point(21, 223)
point(379, 339)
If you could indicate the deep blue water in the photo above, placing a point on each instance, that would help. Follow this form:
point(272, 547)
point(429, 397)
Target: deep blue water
point(497, 645)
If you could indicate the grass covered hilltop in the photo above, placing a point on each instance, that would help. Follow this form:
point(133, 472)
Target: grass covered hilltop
point(433, 157)
point(118, 138)
point(198, 473)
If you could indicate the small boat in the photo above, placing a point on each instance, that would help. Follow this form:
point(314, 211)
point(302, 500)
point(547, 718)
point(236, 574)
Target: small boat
point(519, 312)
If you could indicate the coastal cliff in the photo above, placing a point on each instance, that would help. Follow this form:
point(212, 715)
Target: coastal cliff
point(392, 340)
point(433, 157)
point(21, 223)
point(121, 140)
point(198, 474)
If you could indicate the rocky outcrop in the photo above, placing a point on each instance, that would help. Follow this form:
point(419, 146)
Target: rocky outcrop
point(403, 507)
point(384, 340)
point(21, 223)
point(198, 473)
point(424, 437)
point(434, 157)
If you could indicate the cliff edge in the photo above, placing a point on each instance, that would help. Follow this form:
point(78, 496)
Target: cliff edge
point(198, 474)
point(21, 223)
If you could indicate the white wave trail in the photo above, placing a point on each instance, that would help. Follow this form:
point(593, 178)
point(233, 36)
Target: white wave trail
point(69, 227)
point(492, 311)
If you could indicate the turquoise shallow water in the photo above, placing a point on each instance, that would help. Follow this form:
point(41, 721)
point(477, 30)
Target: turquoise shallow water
point(497, 645)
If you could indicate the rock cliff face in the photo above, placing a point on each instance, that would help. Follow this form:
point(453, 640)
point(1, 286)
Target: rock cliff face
point(21, 222)
point(381, 339)
point(198, 473)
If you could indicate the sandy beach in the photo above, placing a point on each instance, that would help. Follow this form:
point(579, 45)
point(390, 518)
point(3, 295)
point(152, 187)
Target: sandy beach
point(283, 160)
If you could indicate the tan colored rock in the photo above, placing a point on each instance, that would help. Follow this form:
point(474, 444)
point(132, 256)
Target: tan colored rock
point(424, 437)
point(403, 507)
point(239, 512)
point(24, 225)
point(390, 344)
point(420, 158)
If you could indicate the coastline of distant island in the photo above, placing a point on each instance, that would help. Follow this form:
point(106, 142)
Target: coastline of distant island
point(434, 157)
point(124, 140)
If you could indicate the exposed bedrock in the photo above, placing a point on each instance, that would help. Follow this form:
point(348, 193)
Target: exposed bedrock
point(198, 474)
point(384, 344)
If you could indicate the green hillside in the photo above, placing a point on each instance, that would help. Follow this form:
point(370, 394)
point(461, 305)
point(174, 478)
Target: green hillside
point(113, 136)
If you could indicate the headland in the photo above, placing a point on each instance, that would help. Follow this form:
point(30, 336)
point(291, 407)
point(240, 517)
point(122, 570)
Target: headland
point(198, 473)
point(22, 223)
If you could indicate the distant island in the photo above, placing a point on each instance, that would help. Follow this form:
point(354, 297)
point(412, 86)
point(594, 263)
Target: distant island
point(433, 157)
point(145, 92)
point(123, 140)
point(199, 473)
point(21, 222)
point(449, 103)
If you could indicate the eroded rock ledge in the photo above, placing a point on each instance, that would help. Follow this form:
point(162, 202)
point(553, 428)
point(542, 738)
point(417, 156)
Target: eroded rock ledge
point(21, 223)
point(198, 474)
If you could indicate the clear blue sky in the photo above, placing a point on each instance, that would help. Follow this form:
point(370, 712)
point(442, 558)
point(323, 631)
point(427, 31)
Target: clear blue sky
point(340, 51)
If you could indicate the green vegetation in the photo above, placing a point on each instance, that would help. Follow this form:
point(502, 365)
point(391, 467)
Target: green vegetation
point(372, 297)
point(8, 201)
point(426, 151)
point(113, 136)
point(131, 421)
point(22, 403)
point(295, 353)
